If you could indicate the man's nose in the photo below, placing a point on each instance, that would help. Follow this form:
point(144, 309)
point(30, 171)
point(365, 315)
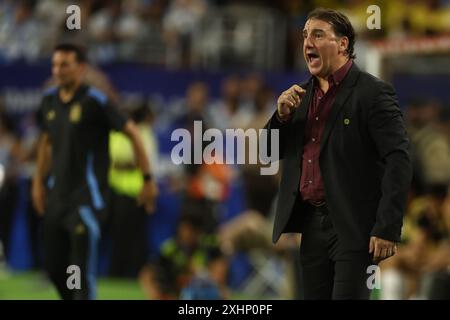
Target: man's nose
point(307, 42)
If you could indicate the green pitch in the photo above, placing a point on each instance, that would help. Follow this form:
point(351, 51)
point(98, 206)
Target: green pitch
point(34, 286)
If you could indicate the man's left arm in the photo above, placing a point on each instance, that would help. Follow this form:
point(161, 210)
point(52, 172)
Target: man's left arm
point(387, 130)
point(149, 192)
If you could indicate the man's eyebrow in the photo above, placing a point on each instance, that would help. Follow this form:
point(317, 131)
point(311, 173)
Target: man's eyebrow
point(313, 30)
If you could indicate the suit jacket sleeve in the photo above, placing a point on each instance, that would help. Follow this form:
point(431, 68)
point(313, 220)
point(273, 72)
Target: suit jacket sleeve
point(275, 124)
point(387, 130)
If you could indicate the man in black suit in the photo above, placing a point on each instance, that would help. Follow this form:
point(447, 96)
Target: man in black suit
point(346, 166)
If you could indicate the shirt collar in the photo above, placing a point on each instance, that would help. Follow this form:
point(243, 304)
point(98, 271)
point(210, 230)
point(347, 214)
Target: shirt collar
point(339, 75)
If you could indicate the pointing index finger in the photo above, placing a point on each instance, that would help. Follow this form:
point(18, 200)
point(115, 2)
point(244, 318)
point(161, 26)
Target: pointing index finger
point(299, 90)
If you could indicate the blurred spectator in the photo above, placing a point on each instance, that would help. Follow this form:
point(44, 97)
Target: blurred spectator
point(247, 231)
point(52, 14)
point(102, 28)
point(251, 87)
point(263, 105)
point(180, 258)
point(115, 30)
point(20, 33)
point(194, 108)
point(430, 144)
point(260, 190)
point(180, 22)
point(249, 234)
point(425, 249)
point(211, 283)
point(206, 190)
point(228, 112)
point(128, 220)
point(154, 9)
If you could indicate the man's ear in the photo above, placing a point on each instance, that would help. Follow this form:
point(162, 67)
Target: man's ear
point(343, 44)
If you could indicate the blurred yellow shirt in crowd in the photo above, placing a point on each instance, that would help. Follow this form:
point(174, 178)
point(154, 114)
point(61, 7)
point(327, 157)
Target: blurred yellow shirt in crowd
point(124, 176)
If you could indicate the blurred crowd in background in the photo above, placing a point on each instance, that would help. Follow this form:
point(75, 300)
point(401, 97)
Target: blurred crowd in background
point(211, 234)
point(199, 33)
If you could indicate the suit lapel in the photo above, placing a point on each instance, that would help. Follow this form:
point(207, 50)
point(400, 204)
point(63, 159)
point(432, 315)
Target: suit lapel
point(343, 93)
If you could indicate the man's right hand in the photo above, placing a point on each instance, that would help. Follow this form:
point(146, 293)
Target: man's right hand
point(38, 196)
point(289, 100)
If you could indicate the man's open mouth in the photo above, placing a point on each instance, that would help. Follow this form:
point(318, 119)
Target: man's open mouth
point(312, 57)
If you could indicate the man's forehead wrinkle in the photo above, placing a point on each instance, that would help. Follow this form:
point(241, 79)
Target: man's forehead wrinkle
point(314, 30)
point(324, 27)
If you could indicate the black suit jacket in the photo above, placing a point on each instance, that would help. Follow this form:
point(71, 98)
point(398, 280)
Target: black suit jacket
point(364, 162)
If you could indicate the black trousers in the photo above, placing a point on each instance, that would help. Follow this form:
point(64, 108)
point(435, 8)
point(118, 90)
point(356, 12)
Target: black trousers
point(128, 236)
point(70, 238)
point(328, 270)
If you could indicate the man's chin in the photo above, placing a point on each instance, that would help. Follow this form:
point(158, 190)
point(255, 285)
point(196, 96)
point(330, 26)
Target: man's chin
point(314, 71)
